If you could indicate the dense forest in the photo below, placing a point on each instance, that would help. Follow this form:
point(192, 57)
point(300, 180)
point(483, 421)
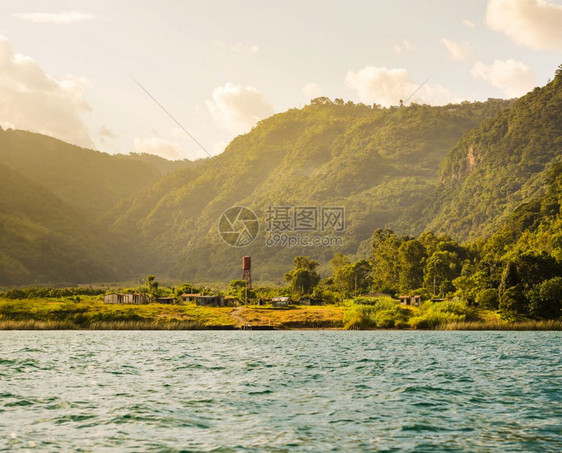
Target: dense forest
point(378, 163)
point(424, 179)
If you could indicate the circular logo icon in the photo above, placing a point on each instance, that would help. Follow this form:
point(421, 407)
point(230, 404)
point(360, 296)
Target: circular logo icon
point(239, 226)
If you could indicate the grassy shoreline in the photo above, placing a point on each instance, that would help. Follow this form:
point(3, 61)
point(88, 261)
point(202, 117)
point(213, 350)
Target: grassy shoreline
point(6, 324)
point(92, 314)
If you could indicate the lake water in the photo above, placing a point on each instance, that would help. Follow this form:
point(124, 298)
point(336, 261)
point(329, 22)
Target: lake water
point(281, 391)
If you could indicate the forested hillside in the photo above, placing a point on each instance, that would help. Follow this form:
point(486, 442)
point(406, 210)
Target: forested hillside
point(42, 239)
point(377, 163)
point(518, 270)
point(90, 181)
point(497, 165)
point(53, 198)
point(463, 170)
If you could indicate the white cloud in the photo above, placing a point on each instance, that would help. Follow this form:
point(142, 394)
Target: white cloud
point(104, 134)
point(238, 108)
point(65, 17)
point(312, 90)
point(239, 47)
point(160, 147)
point(512, 77)
point(468, 23)
point(104, 131)
point(532, 23)
point(31, 99)
point(458, 50)
point(387, 86)
point(404, 46)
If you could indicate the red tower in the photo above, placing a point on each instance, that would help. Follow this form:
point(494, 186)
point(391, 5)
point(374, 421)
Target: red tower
point(247, 270)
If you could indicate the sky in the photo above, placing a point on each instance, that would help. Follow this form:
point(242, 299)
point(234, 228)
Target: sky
point(93, 72)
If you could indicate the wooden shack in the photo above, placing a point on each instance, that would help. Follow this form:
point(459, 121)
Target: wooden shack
point(189, 297)
point(410, 300)
point(127, 298)
point(113, 298)
point(166, 300)
point(210, 301)
point(280, 301)
point(310, 301)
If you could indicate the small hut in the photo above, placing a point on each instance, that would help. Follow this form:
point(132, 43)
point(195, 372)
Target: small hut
point(280, 301)
point(410, 300)
point(210, 301)
point(310, 301)
point(166, 300)
point(189, 297)
point(127, 298)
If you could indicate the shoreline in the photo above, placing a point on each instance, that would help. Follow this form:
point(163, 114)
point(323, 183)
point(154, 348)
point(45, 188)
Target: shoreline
point(26, 325)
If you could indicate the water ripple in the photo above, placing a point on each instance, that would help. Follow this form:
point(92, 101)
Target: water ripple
point(281, 391)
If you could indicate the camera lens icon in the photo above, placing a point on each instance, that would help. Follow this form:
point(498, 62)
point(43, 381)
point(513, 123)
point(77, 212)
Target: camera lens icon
point(238, 226)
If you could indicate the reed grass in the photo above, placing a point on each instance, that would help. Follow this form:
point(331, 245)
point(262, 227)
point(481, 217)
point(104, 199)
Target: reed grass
point(502, 325)
point(33, 324)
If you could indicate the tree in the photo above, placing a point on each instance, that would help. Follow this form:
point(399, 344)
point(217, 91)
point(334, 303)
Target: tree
point(509, 278)
point(441, 268)
point(152, 286)
point(512, 302)
point(239, 289)
point(533, 268)
point(338, 261)
point(545, 299)
point(386, 268)
point(303, 278)
point(186, 288)
point(411, 259)
point(353, 278)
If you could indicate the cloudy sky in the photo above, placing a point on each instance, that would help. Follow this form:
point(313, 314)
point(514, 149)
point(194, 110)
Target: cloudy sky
point(68, 68)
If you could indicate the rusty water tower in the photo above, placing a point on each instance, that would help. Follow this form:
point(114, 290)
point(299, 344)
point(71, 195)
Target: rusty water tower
point(247, 270)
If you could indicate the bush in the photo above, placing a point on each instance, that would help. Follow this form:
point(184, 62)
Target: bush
point(380, 303)
point(384, 319)
point(488, 298)
point(447, 306)
point(359, 317)
point(381, 313)
point(545, 299)
point(438, 313)
point(431, 320)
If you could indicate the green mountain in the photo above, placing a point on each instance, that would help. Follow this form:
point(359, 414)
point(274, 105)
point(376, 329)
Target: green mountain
point(498, 165)
point(467, 170)
point(42, 239)
point(54, 196)
point(376, 163)
point(90, 181)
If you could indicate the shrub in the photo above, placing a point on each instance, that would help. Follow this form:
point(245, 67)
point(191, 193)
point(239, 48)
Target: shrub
point(439, 313)
point(447, 306)
point(432, 320)
point(382, 313)
point(545, 299)
point(488, 298)
point(384, 319)
point(359, 317)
